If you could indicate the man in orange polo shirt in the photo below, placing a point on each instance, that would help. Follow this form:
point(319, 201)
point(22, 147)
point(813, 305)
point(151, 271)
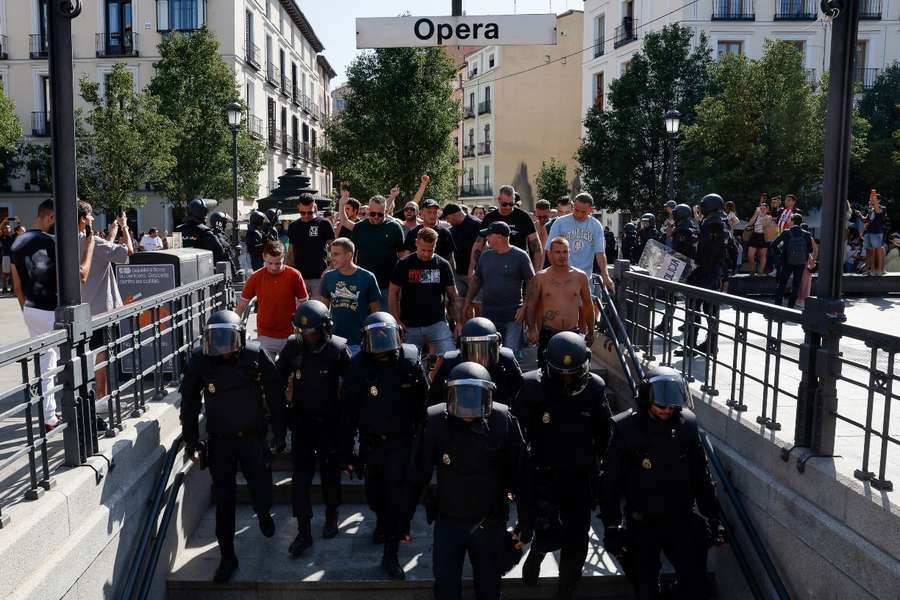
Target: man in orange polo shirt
point(278, 289)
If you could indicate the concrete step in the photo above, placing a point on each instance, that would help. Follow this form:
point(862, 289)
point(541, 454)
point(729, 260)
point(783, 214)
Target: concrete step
point(347, 566)
point(353, 490)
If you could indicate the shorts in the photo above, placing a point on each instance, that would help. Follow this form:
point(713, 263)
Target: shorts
point(758, 240)
point(437, 335)
point(873, 241)
point(6, 265)
point(462, 287)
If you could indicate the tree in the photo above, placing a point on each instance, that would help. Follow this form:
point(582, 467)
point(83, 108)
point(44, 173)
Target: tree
point(10, 128)
point(123, 143)
point(397, 124)
point(761, 129)
point(879, 106)
point(624, 155)
point(194, 85)
point(551, 180)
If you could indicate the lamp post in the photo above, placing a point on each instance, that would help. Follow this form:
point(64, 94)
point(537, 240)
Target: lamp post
point(235, 112)
point(672, 119)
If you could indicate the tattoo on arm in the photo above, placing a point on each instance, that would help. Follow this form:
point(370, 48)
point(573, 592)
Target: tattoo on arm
point(534, 248)
point(474, 286)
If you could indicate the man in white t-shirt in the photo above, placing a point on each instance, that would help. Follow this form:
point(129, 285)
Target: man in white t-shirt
point(151, 241)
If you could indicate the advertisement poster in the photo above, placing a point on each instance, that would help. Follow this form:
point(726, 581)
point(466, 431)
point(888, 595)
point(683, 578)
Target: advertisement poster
point(139, 282)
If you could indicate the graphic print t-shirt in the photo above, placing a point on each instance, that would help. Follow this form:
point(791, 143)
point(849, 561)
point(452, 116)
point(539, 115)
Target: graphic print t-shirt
point(350, 296)
point(34, 254)
point(310, 243)
point(422, 289)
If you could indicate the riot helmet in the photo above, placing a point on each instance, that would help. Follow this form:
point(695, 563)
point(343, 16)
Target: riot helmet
point(218, 220)
point(272, 215)
point(711, 203)
point(313, 321)
point(630, 229)
point(479, 342)
point(198, 208)
point(567, 362)
point(682, 212)
point(380, 333)
point(257, 219)
point(648, 220)
point(663, 386)
point(469, 391)
point(223, 334)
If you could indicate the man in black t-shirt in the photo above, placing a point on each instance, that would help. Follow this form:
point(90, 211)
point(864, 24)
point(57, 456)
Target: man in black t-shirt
point(523, 235)
point(416, 296)
point(464, 229)
point(445, 245)
point(310, 237)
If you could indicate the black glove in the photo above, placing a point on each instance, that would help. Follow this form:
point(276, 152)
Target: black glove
point(614, 540)
point(715, 533)
point(524, 532)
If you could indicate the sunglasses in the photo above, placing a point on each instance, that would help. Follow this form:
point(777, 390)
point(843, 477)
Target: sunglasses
point(376, 214)
point(507, 204)
point(304, 213)
point(409, 208)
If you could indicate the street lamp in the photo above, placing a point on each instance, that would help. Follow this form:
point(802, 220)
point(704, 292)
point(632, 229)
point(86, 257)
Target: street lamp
point(672, 119)
point(235, 112)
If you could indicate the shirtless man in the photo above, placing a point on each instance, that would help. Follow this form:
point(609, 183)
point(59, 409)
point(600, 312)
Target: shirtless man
point(559, 299)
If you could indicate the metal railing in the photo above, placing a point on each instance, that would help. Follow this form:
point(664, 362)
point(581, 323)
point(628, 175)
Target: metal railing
point(469, 151)
point(40, 123)
point(305, 103)
point(468, 112)
point(38, 45)
point(484, 147)
point(599, 44)
point(287, 85)
point(296, 95)
point(117, 44)
point(796, 10)
point(752, 356)
point(252, 55)
point(484, 107)
point(472, 190)
point(304, 150)
point(870, 9)
point(865, 76)
point(626, 32)
point(273, 75)
point(4, 48)
point(811, 76)
point(255, 124)
point(289, 144)
point(314, 111)
point(733, 10)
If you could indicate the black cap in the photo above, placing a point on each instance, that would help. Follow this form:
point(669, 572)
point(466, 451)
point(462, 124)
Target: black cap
point(498, 227)
point(429, 203)
point(451, 209)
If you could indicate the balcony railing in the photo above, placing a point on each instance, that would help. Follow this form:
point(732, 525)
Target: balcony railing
point(472, 190)
point(39, 46)
point(4, 53)
point(796, 10)
point(289, 144)
point(296, 96)
point(305, 103)
point(865, 77)
point(40, 124)
point(314, 155)
point(599, 43)
point(626, 32)
point(186, 32)
point(469, 112)
point(469, 151)
point(117, 44)
point(870, 9)
point(304, 151)
point(295, 146)
point(273, 75)
point(733, 10)
point(314, 111)
point(484, 107)
point(484, 147)
point(252, 55)
point(255, 124)
point(286, 86)
point(811, 76)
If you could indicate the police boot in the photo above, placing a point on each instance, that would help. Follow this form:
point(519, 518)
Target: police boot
point(330, 529)
point(228, 564)
point(531, 570)
point(266, 524)
point(378, 534)
point(389, 561)
point(304, 539)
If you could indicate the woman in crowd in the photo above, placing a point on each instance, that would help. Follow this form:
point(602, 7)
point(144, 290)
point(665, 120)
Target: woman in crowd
point(758, 247)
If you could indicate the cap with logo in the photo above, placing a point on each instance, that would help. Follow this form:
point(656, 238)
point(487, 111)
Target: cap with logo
point(498, 227)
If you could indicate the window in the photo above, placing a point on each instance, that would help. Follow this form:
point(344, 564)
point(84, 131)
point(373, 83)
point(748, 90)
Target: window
point(599, 90)
point(248, 26)
point(471, 177)
point(118, 25)
point(180, 15)
point(626, 66)
point(859, 56)
point(599, 35)
point(248, 97)
point(471, 137)
point(490, 61)
point(800, 45)
point(487, 133)
point(472, 100)
point(487, 175)
point(268, 9)
point(730, 47)
point(487, 96)
point(43, 21)
point(455, 137)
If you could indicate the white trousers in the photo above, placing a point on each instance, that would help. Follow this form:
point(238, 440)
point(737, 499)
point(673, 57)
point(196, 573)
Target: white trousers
point(38, 322)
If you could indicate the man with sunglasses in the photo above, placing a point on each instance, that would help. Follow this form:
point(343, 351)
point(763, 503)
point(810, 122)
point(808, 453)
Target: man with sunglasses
point(310, 237)
point(523, 235)
point(378, 242)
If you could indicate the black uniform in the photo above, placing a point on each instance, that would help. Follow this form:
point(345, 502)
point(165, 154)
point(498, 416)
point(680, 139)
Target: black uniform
point(255, 242)
point(660, 469)
point(386, 404)
point(198, 235)
point(314, 417)
point(568, 436)
point(230, 251)
point(630, 248)
point(643, 236)
point(506, 375)
point(710, 257)
point(237, 393)
point(477, 464)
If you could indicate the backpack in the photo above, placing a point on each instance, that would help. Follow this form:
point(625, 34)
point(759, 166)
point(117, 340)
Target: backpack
point(797, 250)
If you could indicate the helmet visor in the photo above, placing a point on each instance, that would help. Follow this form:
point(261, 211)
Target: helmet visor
point(484, 350)
point(571, 381)
point(221, 338)
point(669, 390)
point(470, 398)
point(380, 337)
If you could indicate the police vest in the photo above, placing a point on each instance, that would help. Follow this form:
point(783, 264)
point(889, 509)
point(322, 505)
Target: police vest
point(505, 374)
point(315, 375)
point(389, 396)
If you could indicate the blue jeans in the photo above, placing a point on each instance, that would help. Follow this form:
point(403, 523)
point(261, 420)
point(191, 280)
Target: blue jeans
point(512, 334)
point(437, 335)
point(873, 241)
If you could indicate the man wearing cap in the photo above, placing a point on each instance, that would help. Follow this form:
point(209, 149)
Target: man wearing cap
point(502, 272)
point(522, 232)
point(465, 230)
point(445, 246)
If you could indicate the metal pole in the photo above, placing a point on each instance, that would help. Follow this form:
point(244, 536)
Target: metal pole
point(234, 185)
point(456, 8)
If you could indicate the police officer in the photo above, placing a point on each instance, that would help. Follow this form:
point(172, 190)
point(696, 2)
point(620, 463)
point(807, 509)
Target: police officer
point(384, 399)
point(684, 241)
point(655, 461)
point(256, 238)
point(566, 419)
point(480, 455)
point(647, 232)
point(479, 342)
point(313, 363)
point(217, 222)
point(630, 243)
point(195, 233)
point(239, 385)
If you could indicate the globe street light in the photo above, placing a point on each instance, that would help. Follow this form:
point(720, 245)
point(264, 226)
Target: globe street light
point(235, 112)
point(672, 120)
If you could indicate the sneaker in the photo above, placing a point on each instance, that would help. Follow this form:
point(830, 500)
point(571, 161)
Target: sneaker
point(267, 525)
point(51, 425)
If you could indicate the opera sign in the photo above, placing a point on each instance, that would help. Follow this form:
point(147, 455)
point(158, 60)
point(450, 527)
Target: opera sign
point(501, 30)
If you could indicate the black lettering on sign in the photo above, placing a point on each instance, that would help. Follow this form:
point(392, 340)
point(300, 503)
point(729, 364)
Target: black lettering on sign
point(426, 32)
point(491, 31)
point(475, 29)
point(445, 32)
point(425, 29)
point(462, 31)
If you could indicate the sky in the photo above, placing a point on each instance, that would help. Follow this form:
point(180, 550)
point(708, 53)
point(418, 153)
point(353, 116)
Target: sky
point(334, 21)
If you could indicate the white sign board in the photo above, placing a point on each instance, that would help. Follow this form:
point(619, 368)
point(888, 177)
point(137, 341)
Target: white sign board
point(470, 30)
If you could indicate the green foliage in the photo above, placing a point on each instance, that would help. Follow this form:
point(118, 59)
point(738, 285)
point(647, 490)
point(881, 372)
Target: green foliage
point(397, 124)
point(10, 128)
point(879, 170)
point(551, 180)
point(37, 160)
point(194, 85)
point(123, 143)
point(624, 156)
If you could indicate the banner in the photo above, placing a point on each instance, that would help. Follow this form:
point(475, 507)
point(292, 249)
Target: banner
point(139, 282)
point(469, 30)
point(664, 263)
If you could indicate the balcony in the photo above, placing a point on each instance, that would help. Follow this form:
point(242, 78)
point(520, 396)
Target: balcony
point(870, 10)
point(811, 76)
point(289, 143)
point(295, 146)
point(117, 44)
point(626, 32)
point(305, 103)
point(286, 86)
point(314, 155)
point(39, 46)
point(734, 10)
point(473, 190)
point(484, 148)
point(186, 32)
point(314, 111)
point(4, 53)
point(252, 55)
point(275, 140)
point(469, 151)
point(865, 77)
point(468, 112)
point(255, 124)
point(796, 10)
point(295, 95)
point(304, 151)
point(599, 43)
point(273, 75)
point(484, 107)
point(40, 124)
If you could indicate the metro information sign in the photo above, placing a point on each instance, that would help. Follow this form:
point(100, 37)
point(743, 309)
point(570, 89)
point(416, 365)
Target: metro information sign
point(469, 30)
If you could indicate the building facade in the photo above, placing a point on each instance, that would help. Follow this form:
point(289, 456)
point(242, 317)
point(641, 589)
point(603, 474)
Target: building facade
point(270, 45)
point(521, 106)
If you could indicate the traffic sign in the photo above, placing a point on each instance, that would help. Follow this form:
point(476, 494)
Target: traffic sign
point(469, 30)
